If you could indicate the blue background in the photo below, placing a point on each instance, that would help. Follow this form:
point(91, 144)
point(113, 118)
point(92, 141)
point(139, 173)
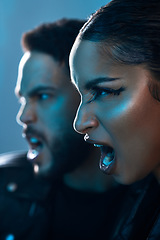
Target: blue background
point(16, 17)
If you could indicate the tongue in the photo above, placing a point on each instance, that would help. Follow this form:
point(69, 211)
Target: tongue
point(107, 155)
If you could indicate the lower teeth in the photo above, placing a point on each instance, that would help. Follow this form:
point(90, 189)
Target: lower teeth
point(32, 154)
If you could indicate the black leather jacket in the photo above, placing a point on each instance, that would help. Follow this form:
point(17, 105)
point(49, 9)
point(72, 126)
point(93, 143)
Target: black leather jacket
point(23, 200)
point(26, 203)
point(140, 215)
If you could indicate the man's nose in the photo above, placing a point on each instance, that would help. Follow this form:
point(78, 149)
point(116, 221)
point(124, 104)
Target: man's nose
point(26, 115)
point(85, 120)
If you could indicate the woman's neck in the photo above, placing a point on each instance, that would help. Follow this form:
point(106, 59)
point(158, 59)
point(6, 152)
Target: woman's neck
point(88, 176)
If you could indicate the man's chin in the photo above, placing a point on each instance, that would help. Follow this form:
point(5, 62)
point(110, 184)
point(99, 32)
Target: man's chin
point(41, 171)
point(42, 163)
point(47, 171)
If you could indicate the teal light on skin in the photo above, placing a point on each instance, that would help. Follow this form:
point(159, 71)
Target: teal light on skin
point(128, 121)
point(48, 105)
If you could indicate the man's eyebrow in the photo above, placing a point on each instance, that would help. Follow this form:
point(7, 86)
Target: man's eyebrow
point(35, 90)
point(40, 89)
point(96, 81)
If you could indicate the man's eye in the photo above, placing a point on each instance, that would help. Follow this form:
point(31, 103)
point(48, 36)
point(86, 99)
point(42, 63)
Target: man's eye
point(43, 96)
point(100, 92)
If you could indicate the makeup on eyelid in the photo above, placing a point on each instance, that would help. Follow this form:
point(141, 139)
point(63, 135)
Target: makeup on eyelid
point(98, 92)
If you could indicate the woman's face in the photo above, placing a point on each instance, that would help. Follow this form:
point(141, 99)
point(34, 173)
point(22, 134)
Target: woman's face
point(117, 112)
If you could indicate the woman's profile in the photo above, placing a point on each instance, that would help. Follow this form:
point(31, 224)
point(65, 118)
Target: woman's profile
point(115, 65)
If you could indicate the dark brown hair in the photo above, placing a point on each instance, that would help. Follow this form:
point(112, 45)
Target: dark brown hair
point(55, 39)
point(130, 31)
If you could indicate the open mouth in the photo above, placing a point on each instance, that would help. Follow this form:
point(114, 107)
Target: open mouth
point(107, 155)
point(107, 160)
point(35, 147)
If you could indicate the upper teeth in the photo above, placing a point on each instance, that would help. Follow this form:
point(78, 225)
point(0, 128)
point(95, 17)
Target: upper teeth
point(96, 145)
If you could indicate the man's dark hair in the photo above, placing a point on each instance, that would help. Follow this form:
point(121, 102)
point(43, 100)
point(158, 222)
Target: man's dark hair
point(55, 39)
point(129, 31)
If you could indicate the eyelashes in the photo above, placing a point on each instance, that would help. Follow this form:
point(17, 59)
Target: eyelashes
point(98, 92)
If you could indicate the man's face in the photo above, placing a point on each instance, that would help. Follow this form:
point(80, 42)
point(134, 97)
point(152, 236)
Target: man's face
point(48, 106)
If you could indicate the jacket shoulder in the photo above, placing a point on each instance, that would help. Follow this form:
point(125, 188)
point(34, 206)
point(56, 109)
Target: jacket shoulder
point(15, 169)
point(17, 178)
point(14, 159)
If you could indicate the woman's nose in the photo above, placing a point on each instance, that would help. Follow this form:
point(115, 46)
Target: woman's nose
point(85, 120)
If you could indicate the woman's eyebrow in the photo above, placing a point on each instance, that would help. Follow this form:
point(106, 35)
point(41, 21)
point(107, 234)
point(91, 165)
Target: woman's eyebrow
point(91, 83)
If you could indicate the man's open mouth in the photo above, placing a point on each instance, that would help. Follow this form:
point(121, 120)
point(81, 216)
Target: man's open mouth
point(35, 144)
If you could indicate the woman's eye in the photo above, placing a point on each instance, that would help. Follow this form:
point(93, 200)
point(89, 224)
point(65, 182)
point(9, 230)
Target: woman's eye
point(100, 92)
